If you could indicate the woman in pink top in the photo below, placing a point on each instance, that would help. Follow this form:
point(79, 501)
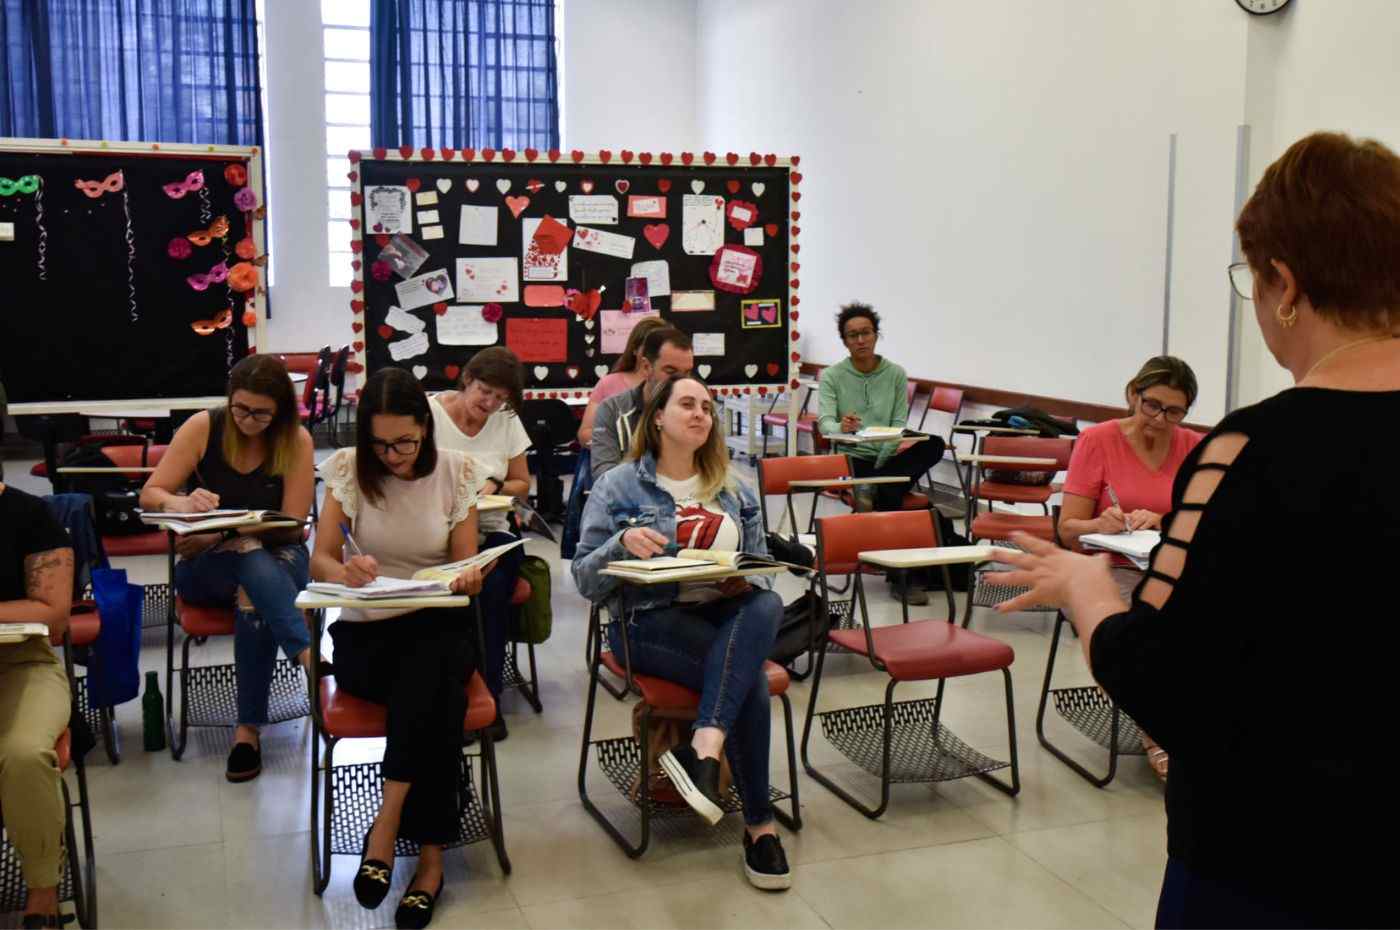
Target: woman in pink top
point(1138, 457)
point(623, 377)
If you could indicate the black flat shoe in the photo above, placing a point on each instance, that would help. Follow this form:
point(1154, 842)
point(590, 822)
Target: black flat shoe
point(244, 762)
point(40, 921)
point(415, 910)
point(372, 881)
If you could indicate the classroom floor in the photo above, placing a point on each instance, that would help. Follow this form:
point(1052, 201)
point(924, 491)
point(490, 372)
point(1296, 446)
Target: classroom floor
point(178, 846)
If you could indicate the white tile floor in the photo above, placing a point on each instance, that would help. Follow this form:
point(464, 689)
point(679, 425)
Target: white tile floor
point(178, 846)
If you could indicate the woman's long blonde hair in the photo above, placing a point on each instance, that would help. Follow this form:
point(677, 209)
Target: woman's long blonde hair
point(711, 459)
point(266, 376)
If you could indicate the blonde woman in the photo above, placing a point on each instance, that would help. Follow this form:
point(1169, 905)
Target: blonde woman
point(676, 491)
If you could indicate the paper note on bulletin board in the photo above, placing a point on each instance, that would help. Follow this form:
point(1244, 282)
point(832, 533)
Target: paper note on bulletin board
point(538, 340)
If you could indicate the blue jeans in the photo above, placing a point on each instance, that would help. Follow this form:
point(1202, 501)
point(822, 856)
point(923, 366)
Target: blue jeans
point(272, 579)
point(496, 591)
point(718, 649)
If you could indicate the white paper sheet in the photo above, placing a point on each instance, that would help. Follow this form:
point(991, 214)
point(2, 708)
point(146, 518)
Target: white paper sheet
point(702, 224)
point(7, 232)
point(487, 280)
point(692, 300)
point(387, 209)
point(708, 343)
point(424, 289)
point(428, 218)
point(414, 345)
point(604, 242)
point(425, 198)
point(753, 236)
point(658, 275)
point(431, 232)
point(464, 326)
point(541, 266)
point(617, 326)
point(477, 226)
point(593, 208)
point(405, 322)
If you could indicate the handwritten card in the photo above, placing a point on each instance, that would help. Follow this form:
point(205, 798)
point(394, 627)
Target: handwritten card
point(702, 224)
point(425, 198)
point(387, 209)
point(484, 280)
point(428, 218)
point(658, 275)
point(430, 232)
point(646, 206)
point(424, 289)
point(687, 301)
point(593, 208)
point(416, 344)
point(534, 340)
point(541, 264)
point(708, 343)
point(617, 326)
point(736, 269)
point(465, 326)
point(604, 242)
point(477, 225)
point(406, 322)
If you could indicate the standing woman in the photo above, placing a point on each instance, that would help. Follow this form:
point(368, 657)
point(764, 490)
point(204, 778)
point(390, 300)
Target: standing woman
point(482, 419)
point(676, 489)
point(623, 377)
point(1253, 591)
point(408, 506)
point(251, 454)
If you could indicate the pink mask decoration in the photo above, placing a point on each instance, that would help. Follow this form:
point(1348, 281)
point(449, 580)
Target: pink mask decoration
point(179, 249)
point(217, 275)
point(245, 199)
point(114, 182)
point(176, 189)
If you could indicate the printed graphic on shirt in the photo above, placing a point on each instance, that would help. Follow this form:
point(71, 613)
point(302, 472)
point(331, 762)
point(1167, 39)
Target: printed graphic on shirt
point(696, 527)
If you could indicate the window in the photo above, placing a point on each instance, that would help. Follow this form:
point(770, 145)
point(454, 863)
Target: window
point(345, 39)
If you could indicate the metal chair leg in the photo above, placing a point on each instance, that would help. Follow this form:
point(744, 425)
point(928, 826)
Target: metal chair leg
point(1098, 781)
point(792, 821)
point(494, 816)
point(1014, 788)
point(321, 826)
point(632, 850)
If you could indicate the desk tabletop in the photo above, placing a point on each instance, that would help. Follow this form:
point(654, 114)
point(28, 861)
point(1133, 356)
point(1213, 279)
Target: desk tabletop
point(933, 555)
point(310, 600)
point(668, 576)
point(847, 482)
point(1005, 460)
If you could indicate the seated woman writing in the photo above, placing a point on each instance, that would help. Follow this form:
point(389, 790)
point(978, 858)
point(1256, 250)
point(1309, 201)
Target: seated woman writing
point(408, 505)
point(36, 586)
point(1121, 473)
point(676, 489)
point(251, 454)
point(482, 419)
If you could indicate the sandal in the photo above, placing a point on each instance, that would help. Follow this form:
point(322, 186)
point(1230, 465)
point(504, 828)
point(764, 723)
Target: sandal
point(1157, 758)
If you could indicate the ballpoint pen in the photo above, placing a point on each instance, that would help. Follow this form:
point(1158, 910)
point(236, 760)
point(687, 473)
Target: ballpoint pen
point(354, 546)
point(1114, 497)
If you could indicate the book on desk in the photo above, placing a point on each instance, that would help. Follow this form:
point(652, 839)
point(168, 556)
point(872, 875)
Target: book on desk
point(698, 564)
point(435, 581)
point(182, 524)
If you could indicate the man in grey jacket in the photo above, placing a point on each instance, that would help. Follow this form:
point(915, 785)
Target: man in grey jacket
point(665, 352)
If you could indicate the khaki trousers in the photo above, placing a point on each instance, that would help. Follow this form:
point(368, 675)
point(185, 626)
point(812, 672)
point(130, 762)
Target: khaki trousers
point(34, 709)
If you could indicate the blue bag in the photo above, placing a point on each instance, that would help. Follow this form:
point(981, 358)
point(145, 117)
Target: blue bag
point(115, 677)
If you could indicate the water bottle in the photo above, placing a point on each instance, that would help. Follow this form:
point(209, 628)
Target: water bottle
point(153, 715)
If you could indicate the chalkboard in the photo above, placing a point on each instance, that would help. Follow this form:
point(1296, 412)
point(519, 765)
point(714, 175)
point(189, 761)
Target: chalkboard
point(723, 227)
point(103, 252)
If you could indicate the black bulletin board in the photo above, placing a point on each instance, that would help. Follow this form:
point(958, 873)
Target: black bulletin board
point(758, 339)
point(96, 307)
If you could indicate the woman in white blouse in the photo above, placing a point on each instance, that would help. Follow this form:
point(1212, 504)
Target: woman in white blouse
point(409, 506)
point(482, 419)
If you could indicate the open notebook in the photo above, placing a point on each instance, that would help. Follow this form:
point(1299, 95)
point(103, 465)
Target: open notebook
point(428, 582)
point(184, 523)
point(18, 632)
point(698, 562)
point(1137, 546)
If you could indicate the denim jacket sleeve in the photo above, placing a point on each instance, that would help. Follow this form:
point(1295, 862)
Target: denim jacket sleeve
point(599, 543)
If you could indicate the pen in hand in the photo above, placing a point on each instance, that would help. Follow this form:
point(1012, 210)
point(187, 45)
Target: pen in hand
point(350, 540)
point(1114, 497)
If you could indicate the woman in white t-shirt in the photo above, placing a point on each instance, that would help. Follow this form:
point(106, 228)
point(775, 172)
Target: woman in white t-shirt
point(409, 505)
point(482, 419)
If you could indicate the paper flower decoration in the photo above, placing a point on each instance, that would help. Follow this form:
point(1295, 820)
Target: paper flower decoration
point(381, 271)
point(245, 249)
point(179, 249)
point(236, 175)
point(245, 199)
point(491, 313)
point(243, 277)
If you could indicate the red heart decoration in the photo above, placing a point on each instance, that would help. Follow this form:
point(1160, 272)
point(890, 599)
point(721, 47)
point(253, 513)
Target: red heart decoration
point(795, 300)
point(356, 198)
point(406, 151)
point(449, 154)
point(795, 177)
point(733, 186)
point(796, 335)
point(359, 346)
point(796, 160)
point(663, 184)
point(382, 240)
point(796, 195)
point(440, 308)
point(770, 159)
point(488, 153)
point(796, 230)
point(554, 155)
point(584, 303)
point(576, 155)
point(357, 285)
point(356, 326)
point(413, 184)
point(795, 384)
point(623, 185)
point(796, 248)
point(772, 369)
point(795, 284)
point(762, 391)
point(794, 266)
point(709, 158)
point(355, 264)
point(354, 156)
point(468, 154)
point(427, 153)
point(795, 216)
point(666, 158)
point(732, 158)
point(380, 154)
point(771, 229)
point(532, 154)
point(644, 158)
point(796, 357)
point(508, 154)
point(354, 224)
point(385, 331)
point(604, 156)
point(356, 245)
point(627, 157)
point(353, 175)
point(687, 158)
point(792, 314)
point(452, 371)
point(755, 159)
point(656, 234)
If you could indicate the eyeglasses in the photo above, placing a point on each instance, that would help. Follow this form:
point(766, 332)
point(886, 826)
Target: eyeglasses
point(398, 446)
point(256, 414)
point(856, 335)
point(1242, 280)
point(1152, 408)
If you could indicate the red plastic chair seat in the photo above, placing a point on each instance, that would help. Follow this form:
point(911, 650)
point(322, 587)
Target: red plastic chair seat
point(667, 695)
point(64, 748)
point(1002, 525)
point(1014, 493)
point(201, 620)
point(347, 716)
point(118, 547)
point(39, 470)
point(806, 422)
point(775, 419)
point(926, 649)
point(522, 592)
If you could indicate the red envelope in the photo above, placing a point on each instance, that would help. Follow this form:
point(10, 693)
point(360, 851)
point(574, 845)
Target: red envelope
point(552, 236)
point(544, 295)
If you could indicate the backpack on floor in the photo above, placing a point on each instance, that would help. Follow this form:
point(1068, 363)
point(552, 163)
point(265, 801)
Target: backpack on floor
point(802, 625)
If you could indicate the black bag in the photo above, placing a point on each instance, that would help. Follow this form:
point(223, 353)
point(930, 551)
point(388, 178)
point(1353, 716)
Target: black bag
point(118, 508)
point(1031, 418)
point(802, 625)
point(789, 550)
point(960, 573)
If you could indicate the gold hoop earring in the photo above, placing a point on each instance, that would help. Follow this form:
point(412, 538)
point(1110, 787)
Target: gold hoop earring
point(1286, 320)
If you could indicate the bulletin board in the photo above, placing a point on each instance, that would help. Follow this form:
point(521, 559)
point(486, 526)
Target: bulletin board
point(543, 252)
point(132, 270)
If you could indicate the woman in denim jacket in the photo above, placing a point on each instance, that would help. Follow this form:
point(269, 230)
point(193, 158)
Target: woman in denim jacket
point(676, 492)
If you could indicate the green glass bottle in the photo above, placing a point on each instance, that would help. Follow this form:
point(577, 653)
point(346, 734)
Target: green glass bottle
point(153, 715)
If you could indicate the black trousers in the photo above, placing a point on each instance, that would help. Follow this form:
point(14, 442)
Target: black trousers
point(913, 463)
point(417, 665)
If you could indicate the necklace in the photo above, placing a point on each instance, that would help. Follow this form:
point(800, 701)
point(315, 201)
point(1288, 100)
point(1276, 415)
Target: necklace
point(1342, 348)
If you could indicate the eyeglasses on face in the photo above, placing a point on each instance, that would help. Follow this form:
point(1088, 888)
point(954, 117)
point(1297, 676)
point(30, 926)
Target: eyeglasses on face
point(858, 335)
point(256, 414)
point(1152, 408)
point(1242, 280)
point(398, 446)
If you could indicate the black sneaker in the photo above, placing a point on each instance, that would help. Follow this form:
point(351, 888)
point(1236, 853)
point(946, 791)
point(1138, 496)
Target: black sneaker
point(244, 762)
point(765, 864)
point(696, 779)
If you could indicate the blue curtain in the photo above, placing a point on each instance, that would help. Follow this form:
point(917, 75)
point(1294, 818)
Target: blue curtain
point(137, 70)
point(463, 74)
